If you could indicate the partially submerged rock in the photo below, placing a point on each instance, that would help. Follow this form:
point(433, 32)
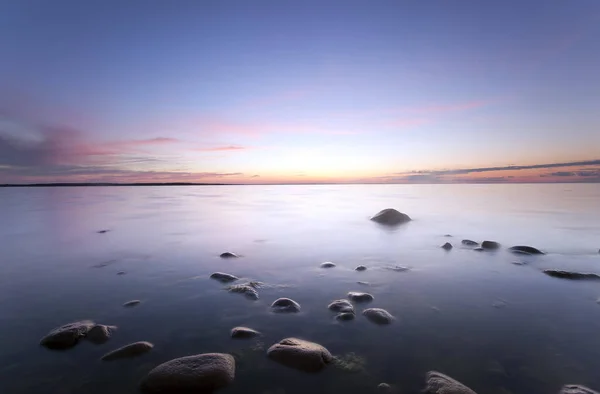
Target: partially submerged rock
point(246, 289)
point(102, 231)
point(228, 255)
point(360, 297)
point(479, 249)
point(243, 333)
point(327, 264)
point(131, 303)
point(397, 268)
point(391, 217)
point(446, 246)
point(524, 249)
point(576, 389)
point(285, 305)
point(223, 277)
point(341, 306)
point(300, 354)
point(100, 333)
point(201, 373)
point(67, 336)
point(490, 245)
point(572, 275)
point(360, 268)
point(363, 283)
point(384, 388)
point(438, 383)
point(121, 273)
point(345, 316)
point(468, 242)
point(132, 350)
point(378, 316)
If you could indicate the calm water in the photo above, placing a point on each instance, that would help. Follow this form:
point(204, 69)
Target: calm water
point(497, 327)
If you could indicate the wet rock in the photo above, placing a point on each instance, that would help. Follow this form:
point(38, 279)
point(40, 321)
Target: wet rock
point(525, 249)
point(243, 333)
point(246, 289)
point(300, 354)
point(448, 235)
point(121, 273)
point(223, 277)
point(446, 246)
point(519, 263)
point(131, 303)
point(285, 305)
point(228, 255)
point(102, 231)
point(360, 268)
point(364, 283)
point(576, 389)
point(67, 336)
point(384, 388)
point(345, 316)
point(378, 316)
point(391, 217)
point(468, 242)
point(397, 268)
point(132, 350)
point(360, 297)
point(438, 383)
point(490, 245)
point(572, 275)
point(327, 264)
point(100, 333)
point(201, 373)
point(341, 306)
point(479, 249)
point(520, 252)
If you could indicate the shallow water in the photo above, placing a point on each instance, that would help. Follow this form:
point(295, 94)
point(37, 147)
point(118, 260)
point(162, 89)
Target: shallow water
point(495, 326)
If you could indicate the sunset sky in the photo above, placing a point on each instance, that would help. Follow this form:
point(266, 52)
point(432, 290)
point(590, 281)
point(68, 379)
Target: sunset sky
point(254, 91)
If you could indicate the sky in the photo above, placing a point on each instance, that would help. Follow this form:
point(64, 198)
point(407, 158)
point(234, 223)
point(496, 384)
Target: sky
point(279, 91)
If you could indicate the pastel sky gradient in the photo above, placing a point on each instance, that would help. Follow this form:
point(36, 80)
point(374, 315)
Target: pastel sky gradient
point(299, 91)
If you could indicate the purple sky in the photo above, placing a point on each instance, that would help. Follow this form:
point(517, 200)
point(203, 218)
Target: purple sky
point(311, 91)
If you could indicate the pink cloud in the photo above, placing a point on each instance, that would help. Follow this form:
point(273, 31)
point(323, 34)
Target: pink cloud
point(221, 148)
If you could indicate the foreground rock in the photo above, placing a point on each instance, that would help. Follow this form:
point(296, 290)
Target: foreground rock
point(247, 289)
point(468, 242)
point(360, 268)
point(524, 249)
point(285, 305)
point(572, 275)
point(327, 264)
point(132, 350)
point(446, 246)
point(378, 316)
point(360, 297)
point(228, 255)
point(490, 245)
point(391, 217)
point(300, 354)
point(68, 335)
point(100, 333)
point(202, 373)
point(438, 383)
point(576, 389)
point(223, 277)
point(243, 333)
point(131, 303)
point(345, 316)
point(341, 306)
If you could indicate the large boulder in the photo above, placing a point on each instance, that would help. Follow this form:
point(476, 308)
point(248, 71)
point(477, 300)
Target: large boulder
point(438, 383)
point(246, 289)
point(132, 350)
point(243, 333)
point(520, 249)
point(468, 242)
point(201, 373)
point(360, 268)
point(285, 305)
point(345, 316)
point(576, 389)
point(68, 335)
point(378, 316)
point(490, 245)
point(572, 275)
point(391, 217)
point(341, 306)
point(446, 246)
point(300, 354)
point(228, 255)
point(360, 297)
point(327, 264)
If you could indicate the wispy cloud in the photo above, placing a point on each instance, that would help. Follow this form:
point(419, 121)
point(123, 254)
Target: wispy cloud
point(221, 148)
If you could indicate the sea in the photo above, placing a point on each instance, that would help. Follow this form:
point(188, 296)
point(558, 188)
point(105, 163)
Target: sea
point(491, 320)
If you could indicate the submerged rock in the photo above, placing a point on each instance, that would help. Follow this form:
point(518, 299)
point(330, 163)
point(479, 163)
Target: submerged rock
point(341, 306)
point(525, 249)
point(519, 263)
point(360, 268)
point(576, 389)
point(391, 217)
point(285, 305)
point(345, 316)
point(131, 303)
point(490, 245)
point(327, 264)
point(479, 249)
point(100, 333)
point(300, 354)
point(246, 289)
point(228, 255)
point(446, 246)
point(102, 231)
point(243, 333)
point(363, 283)
point(223, 277)
point(201, 373)
point(67, 336)
point(397, 268)
point(132, 350)
point(121, 273)
point(438, 383)
point(378, 316)
point(572, 275)
point(468, 242)
point(360, 297)
point(384, 388)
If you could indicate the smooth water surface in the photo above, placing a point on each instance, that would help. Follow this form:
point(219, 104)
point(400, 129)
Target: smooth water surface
point(496, 326)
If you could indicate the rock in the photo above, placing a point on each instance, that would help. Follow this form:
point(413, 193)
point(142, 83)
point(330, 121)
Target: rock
point(360, 297)
point(446, 246)
point(490, 245)
point(327, 264)
point(341, 306)
point(391, 217)
point(572, 275)
point(576, 389)
point(520, 252)
point(243, 333)
point(285, 305)
point(384, 388)
point(102, 231)
point(345, 316)
point(360, 268)
point(67, 336)
point(479, 249)
point(438, 383)
point(201, 373)
point(121, 273)
point(131, 303)
point(100, 333)
point(364, 283)
point(128, 351)
point(378, 316)
point(246, 289)
point(397, 268)
point(223, 277)
point(468, 242)
point(228, 255)
point(300, 354)
point(519, 263)
point(448, 235)
point(525, 249)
